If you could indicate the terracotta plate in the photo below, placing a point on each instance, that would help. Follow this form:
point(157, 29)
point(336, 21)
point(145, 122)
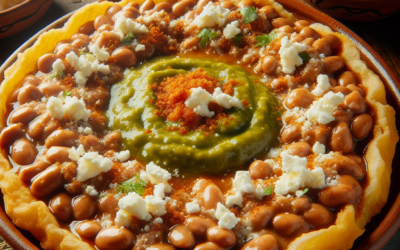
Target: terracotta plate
point(382, 226)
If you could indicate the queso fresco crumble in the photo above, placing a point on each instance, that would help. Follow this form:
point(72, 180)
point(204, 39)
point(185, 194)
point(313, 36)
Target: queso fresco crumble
point(196, 125)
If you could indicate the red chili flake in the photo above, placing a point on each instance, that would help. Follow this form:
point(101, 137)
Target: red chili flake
point(148, 131)
point(245, 103)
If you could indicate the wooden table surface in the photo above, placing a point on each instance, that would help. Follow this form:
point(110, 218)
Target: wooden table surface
point(383, 36)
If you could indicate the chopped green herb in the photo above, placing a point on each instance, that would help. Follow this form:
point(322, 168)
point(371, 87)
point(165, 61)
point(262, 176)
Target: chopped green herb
point(67, 93)
point(266, 39)
point(304, 56)
point(128, 39)
point(237, 40)
point(102, 194)
point(305, 190)
point(249, 14)
point(135, 184)
point(206, 36)
point(268, 190)
point(58, 75)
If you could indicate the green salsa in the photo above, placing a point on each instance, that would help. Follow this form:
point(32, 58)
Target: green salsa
point(241, 136)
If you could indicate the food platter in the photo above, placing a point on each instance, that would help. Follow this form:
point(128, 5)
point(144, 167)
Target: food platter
point(331, 25)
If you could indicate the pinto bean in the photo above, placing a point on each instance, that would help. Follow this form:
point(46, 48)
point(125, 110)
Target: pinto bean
point(146, 5)
point(87, 28)
point(161, 246)
point(355, 102)
point(113, 140)
point(291, 133)
point(341, 138)
point(332, 65)
point(131, 4)
point(105, 27)
point(322, 46)
point(288, 224)
point(45, 62)
point(345, 165)
point(264, 242)
point(23, 152)
point(208, 245)
point(318, 215)
point(334, 42)
point(280, 21)
point(300, 97)
point(213, 195)
point(108, 204)
point(32, 79)
point(309, 32)
point(61, 137)
point(91, 143)
point(199, 225)
point(88, 229)
point(51, 89)
point(300, 24)
point(125, 13)
point(57, 154)
point(10, 134)
point(63, 49)
point(135, 12)
point(230, 6)
point(347, 78)
point(47, 181)
point(181, 237)
point(246, 3)
point(308, 41)
point(61, 207)
point(269, 65)
point(27, 173)
point(223, 237)
point(345, 91)
point(259, 169)
point(112, 10)
point(332, 81)
point(300, 149)
point(164, 6)
point(83, 207)
point(181, 7)
point(102, 20)
point(36, 127)
point(269, 11)
point(299, 205)
point(29, 93)
point(355, 88)
point(347, 191)
point(260, 217)
point(125, 57)
point(114, 238)
point(286, 29)
point(361, 126)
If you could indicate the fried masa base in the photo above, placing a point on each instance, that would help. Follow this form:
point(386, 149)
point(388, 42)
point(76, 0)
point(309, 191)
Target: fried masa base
point(30, 214)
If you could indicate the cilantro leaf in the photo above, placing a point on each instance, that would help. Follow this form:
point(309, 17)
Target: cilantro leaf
point(304, 56)
point(206, 36)
point(305, 190)
point(67, 93)
point(135, 184)
point(249, 14)
point(265, 39)
point(237, 40)
point(268, 190)
point(58, 75)
point(128, 39)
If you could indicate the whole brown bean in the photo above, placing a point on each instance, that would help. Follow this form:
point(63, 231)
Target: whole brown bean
point(223, 237)
point(163, 6)
point(29, 93)
point(269, 65)
point(269, 11)
point(208, 245)
point(181, 237)
point(336, 195)
point(355, 102)
point(299, 205)
point(300, 149)
point(260, 217)
point(105, 27)
point(88, 229)
point(91, 143)
point(259, 169)
point(64, 49)
point(288, 224)
point(280, 21)
point(32, 79)
point(357, 159)
point(47, 181)
point(61, 137)
point(341, 138)
point(180, 8)
point(161, 246)
point(57, 154)
point(345, 91)
point(309, 32)
point(83, 207)
point(112, 10)
point(344, 165)
point(264, 242)
point(353, 88)
point(61, 207)
point(84, 37)
point(199, 225)
point(291, 133)
point(10, 134)
point(246, 3)
point(322, 47)
point(23, 152)
point(213, 195)
point(353, 183)
point(332, 65)
point(45, 62)
point(332, 81)
point(124, 57)
point(146, 5)
point(286, 29)
point(297, 38)
point(300, 97)
point(300, 24)
point(347, 78)
point(108, 204)
point(125, 13)
point(87, 28)
point(114, 238)
point(112, 141)
point(361, 126)
point(318, 215)
point(132, 4)
point(308, 41)
point(334, 42)
point(36, 127)
point(27, 173)
point(135, 12)
point(230, 6)
point(51, 89)
point(102, 20)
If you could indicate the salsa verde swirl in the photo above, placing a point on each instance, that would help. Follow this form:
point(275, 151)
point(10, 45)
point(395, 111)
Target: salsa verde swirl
point(238, 137)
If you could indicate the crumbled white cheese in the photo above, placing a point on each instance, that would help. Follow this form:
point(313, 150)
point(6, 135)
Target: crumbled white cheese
point(236, 199)
point(75, 154)
point(100, 54)
point(155, 205)
point(140, 47)
point(225, 100)
point(299, 193)
point(155, 174)
point(322, 85)
point(123, 218)
point(80, 79)
point(123, 155)
point(211, 15)
point(100, 67)
point(198, 101)
point(231, 30)
point(296, 175)
point(160, 190)
point(192, 207)
point(290, 55)
point(88, 131)
point(318, 148)
point(226, 218)
point(242, 182)
point(321, 111)
point(91, 164)
point(135, 205)
point(76, 108)
point(158, 220)
point(55, 107)
point(126, 25)
point(90, 190)
point(260, 192)
point(58, 66)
